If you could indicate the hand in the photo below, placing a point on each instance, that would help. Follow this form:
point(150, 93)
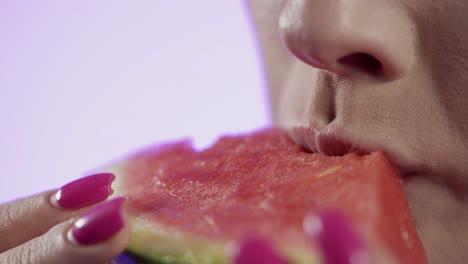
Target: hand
point(54, 227)
point(332, 235)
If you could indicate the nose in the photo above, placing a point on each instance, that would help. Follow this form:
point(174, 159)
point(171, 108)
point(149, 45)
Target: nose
point(369, 38)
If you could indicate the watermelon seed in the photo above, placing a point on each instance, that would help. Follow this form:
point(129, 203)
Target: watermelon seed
point(328, 171)
point(211, 222)
point(265, 206)
point(160, 171)
point(173, 195)
point(405, 235)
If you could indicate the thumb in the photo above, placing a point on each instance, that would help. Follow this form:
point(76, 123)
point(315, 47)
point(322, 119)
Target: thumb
point(96, 237)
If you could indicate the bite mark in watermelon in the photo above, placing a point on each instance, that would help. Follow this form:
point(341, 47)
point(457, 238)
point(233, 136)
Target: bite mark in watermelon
point(191, 206)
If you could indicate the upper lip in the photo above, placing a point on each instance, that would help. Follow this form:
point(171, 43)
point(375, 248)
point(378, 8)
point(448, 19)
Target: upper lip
point(334, 141)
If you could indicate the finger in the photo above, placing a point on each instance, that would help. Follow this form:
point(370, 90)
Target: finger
point(27, 218)
point(96, 237)
point(257, 251)
point(336, 237)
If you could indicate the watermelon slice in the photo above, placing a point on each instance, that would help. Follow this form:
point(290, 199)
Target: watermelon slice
point(191, 206)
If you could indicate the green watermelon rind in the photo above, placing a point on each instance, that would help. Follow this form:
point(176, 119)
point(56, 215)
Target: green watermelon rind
point(158, 244)
point(162, 245)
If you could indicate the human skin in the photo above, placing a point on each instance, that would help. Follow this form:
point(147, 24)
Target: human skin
point(73, 224)
point(406, 95)
point(361, 75)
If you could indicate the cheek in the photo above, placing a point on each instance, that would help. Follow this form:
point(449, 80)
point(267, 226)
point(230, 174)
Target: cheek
point(442, 31)
point(408, 112)
point(449, 75)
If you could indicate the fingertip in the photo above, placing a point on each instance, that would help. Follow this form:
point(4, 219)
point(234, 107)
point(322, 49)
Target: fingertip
point(257, 250)
point(58, 246)
point(100, 234)
point(337, 238)
point(54, 197)
point(98, 224)
point(84, 192)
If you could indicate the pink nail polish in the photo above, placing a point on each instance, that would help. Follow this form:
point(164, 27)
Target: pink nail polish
point(98, 224)
point(339, 242)
point(83, 192)
point(257, 251)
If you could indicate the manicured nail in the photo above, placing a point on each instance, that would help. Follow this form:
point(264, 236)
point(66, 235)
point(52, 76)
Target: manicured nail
point(334, 234)
point(257, 251)
point(98, 224)
point(83, 192)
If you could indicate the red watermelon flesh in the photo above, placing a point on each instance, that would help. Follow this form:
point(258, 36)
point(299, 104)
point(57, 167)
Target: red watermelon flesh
point(191, 206)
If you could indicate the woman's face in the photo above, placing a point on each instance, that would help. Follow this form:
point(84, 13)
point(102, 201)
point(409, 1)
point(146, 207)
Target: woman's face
point(361, 75)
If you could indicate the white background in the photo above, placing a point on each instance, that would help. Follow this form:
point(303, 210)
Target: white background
point(85, 82)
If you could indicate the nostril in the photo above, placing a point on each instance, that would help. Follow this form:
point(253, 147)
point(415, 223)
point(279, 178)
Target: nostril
point(362, 62)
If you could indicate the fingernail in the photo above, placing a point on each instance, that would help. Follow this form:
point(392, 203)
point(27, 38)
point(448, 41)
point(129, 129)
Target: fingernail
point(334, 234)
point(98, 224)
point(257, 251)
point(83, 192)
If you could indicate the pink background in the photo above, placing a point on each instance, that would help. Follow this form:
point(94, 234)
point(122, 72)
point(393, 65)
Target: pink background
point(85, 82)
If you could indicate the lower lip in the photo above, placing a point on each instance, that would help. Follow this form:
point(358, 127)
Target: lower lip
point(327, 141)
point(331, 140)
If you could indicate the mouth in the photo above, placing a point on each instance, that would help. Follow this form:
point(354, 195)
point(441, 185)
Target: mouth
point(333, 140)
point(326, 141)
